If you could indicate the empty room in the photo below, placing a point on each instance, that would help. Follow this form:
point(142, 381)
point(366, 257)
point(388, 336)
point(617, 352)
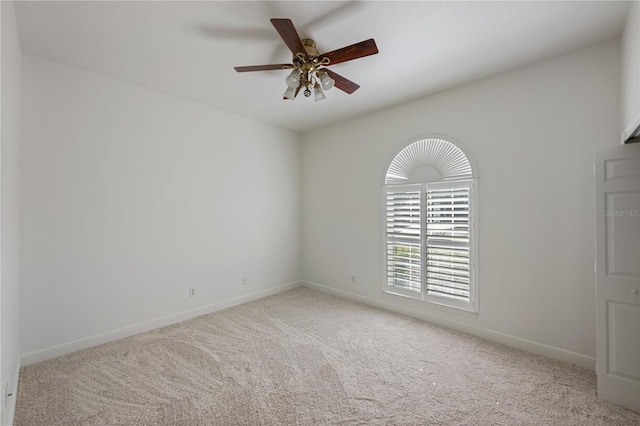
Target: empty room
point(320, 213)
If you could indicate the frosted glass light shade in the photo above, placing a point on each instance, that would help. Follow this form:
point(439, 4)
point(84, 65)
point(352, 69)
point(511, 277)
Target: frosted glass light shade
point(317, 91)
point(326, 81)
point(290, 93)
point(293, 79)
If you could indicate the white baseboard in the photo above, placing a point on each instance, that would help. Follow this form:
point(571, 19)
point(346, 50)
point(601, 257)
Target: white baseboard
point(66, 348)
point(580, 360)
point(494, 336)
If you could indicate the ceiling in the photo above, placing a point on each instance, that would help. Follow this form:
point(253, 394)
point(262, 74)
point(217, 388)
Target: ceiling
point(189, 49)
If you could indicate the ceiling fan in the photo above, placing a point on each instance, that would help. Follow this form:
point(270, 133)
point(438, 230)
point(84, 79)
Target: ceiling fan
point(309, 66)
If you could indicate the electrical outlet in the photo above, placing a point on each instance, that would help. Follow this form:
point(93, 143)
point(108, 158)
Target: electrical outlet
point(192, 292)
point(353, 279)
point(245, 281)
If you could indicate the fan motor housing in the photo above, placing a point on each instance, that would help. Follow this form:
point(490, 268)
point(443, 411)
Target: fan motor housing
point(310, 47)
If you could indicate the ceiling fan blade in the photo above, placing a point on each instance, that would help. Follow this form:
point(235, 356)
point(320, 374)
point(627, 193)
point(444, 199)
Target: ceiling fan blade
point(264, 67)
point(290, 36)
point(355, 51)
point(342, 83)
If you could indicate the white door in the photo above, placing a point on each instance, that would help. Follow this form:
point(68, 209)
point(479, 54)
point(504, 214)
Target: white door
point(618, 274)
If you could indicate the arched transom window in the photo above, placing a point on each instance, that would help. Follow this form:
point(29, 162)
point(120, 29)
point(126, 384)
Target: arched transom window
point(430, 224)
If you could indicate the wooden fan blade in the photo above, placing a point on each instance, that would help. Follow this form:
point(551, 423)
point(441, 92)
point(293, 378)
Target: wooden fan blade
point(355, 51)
point(264, 67)
point(290, 36)
point(342, 83)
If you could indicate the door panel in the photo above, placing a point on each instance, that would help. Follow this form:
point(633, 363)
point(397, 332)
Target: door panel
point(622, 168)
point(622, 253)
point(622, 321)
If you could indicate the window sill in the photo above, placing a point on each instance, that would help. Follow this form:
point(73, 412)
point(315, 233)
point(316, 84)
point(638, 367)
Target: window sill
point(431, 305)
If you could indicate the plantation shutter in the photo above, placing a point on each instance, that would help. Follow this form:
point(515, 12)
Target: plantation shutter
point(403, 252)
point(447, 240)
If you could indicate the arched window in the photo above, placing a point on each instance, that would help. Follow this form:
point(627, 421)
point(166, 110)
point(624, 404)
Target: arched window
point(430, 238)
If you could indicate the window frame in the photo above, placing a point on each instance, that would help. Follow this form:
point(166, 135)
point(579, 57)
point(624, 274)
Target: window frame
point(436, 301)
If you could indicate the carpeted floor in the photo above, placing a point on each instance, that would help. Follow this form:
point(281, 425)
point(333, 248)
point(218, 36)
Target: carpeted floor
point(306, 358)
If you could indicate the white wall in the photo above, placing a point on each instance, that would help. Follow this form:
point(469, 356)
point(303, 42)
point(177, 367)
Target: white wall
point(130, 197)
point(532, 132)
point(630, 84)
point(10, 217)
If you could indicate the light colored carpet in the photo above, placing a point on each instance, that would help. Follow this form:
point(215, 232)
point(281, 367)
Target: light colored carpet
point(306, 358)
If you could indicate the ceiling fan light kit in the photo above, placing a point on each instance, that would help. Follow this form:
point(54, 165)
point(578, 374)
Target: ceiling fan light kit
point(308, 70)
point(307, 73)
